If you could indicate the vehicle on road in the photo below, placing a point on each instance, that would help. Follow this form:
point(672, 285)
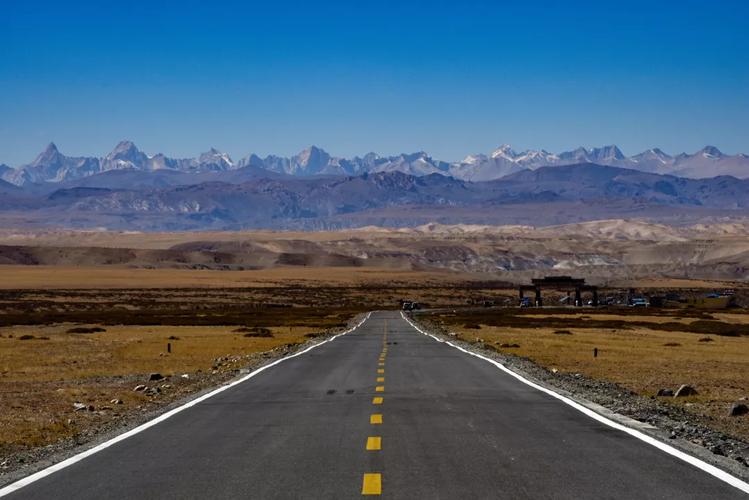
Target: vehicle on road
point(639, 302)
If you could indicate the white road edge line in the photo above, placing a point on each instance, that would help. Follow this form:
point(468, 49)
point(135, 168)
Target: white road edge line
point(77, 458)
point(704, 466)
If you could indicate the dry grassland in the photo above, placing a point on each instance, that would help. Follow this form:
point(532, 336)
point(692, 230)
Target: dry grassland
point(111, 277)
point(46, 367)
point(640, 358)
point(44, 371)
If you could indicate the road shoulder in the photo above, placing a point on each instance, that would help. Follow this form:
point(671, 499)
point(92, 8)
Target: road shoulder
point(674, 427)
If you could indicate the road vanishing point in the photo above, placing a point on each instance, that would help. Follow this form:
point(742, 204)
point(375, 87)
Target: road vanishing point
point(382, 410)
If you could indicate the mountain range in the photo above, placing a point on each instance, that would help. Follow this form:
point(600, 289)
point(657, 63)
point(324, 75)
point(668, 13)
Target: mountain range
point(51, 166)
point(251, 197)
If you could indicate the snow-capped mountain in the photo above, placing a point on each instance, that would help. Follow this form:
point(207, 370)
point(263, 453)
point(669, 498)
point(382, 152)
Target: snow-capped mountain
point(316, 161)
point(504, 161)
point(708, 162)
point(4, 170)
point(53, 166)
point(652, 160)
point(126, 155)
point(311, 161)
point(500, 162)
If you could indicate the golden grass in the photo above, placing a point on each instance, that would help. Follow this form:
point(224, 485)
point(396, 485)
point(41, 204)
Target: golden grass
point(108, 277)
point(639, 359)
point(618, 317)
point(127, 350)
point(673, 283)
point(41, 379)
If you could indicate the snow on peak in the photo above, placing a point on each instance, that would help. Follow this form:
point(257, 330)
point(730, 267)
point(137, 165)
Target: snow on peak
point(504, 151)
point(711, 152)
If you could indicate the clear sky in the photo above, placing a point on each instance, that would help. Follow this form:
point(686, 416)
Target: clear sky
point(450, 78)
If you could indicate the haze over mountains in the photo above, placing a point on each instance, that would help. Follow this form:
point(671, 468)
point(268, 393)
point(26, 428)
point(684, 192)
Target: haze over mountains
point(130, 190)
point(53, 166)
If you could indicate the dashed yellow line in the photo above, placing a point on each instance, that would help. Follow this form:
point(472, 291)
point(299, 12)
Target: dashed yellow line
point(374, 443)
point(372, 481)
point(372, 484)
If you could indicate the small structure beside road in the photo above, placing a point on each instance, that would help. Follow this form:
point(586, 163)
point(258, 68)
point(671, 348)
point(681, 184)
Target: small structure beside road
point(564, 283)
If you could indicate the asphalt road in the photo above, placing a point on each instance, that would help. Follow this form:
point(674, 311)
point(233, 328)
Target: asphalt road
point(449, 425)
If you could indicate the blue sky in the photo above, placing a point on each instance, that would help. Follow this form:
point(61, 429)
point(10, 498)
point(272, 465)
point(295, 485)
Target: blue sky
point(450, 78)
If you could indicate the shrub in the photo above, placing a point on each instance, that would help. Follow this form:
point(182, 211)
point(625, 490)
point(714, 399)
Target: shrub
point(83, 329)
point(254, 332)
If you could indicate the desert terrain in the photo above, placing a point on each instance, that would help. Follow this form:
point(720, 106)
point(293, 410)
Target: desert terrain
point(605, 252)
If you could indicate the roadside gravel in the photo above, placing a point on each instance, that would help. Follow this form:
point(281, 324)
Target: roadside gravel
point(675, 425)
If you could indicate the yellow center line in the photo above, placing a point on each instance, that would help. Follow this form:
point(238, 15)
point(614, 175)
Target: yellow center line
point(372, 484)
point(372, 481)
point(374, 443)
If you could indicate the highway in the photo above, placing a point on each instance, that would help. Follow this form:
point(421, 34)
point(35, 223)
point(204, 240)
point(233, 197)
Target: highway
point(387, 411)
